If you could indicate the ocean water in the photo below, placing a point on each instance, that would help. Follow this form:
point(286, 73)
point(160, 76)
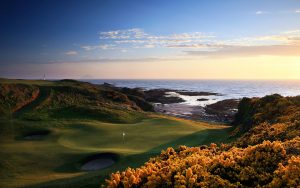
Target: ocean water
point(228, 89)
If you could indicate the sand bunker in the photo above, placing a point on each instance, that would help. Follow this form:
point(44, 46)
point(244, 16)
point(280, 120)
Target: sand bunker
point(36, 134)
point(99, 161)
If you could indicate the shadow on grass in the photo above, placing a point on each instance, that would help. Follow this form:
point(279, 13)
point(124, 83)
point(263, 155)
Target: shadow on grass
point(95, 179)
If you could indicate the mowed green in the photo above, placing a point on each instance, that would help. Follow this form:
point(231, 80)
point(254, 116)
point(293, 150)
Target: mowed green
point(55, 159)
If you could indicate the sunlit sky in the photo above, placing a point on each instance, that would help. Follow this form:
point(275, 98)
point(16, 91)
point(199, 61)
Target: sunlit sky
point(157, 39)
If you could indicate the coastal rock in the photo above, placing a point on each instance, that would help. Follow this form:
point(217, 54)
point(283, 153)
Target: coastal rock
point(196, 93)
point(140, 102)
point(159, 96)
point(108, 85)
point(133, 91)
point(202, 99)
point(224, 110)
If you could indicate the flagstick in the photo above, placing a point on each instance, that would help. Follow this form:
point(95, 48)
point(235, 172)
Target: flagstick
point(123, 137)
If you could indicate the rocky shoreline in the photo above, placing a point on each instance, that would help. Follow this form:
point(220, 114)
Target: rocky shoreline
point(174, 103)
point(166, 102)
point(221, 112)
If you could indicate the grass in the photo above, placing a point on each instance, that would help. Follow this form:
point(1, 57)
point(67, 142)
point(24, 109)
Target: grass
point(54, 160)
point(20, 81)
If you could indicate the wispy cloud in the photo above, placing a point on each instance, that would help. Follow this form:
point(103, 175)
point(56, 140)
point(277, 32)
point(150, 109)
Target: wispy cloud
point(260, 12)
point(102, 47)
point(198, 46)
point(291, 11)
point(234, 51)
point(198, 43)
point(123, 34)
point(283, 44)
point(119, 60)
point(71, 53)
point(138, 38)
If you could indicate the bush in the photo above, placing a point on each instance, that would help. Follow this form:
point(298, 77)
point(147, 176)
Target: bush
point(254, 166)
point(266, 155)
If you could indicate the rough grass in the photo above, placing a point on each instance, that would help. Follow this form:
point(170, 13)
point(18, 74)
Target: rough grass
point(66, 99)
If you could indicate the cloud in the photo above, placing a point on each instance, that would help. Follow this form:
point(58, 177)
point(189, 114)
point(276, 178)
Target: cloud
point(71, 53)
point(282, 44)
point(102, 47)
point(286, 43)
point(260, 12)
point(292, 32)
point(123, 34)
point(297, 11)
point(198, 46)
point(138, 38)
point(149, 46)
point(137, 33)
point(119, 60)
point(198, 43)
point(233, 51)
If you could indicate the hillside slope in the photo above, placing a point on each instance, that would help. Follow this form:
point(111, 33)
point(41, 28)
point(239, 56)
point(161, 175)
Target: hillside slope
point(271, 118)
point(70, 99)
point(270, 124)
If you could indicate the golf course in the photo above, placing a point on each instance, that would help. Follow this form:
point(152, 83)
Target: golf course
point(75, 134)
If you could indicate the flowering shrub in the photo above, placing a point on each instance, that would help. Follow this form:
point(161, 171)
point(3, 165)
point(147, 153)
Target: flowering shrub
point(267, 155)
point(254, 166)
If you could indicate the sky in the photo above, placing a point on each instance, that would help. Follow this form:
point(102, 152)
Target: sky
point(157, 39)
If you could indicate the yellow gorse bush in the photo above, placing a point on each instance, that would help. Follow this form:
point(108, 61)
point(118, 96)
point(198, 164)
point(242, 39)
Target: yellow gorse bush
point(266, 155)
point(254, 166)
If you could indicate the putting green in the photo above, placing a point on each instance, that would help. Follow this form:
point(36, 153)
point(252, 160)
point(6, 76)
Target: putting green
point(139, 137)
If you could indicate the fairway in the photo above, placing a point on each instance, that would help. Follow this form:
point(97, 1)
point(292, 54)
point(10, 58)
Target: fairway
point(55, 159)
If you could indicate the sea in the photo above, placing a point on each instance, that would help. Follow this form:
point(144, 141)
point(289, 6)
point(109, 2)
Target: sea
point(226, 89)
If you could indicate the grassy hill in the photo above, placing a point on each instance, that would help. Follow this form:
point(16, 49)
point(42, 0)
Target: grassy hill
point(48, 129)
point(67, 99)
point(267, 154)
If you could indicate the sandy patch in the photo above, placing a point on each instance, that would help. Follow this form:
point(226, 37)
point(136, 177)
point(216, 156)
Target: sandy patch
point(36, 135)
point(97, 164)
point(98, 161)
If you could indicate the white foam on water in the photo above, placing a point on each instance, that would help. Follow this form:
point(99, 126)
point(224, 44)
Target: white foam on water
point(192, 100)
